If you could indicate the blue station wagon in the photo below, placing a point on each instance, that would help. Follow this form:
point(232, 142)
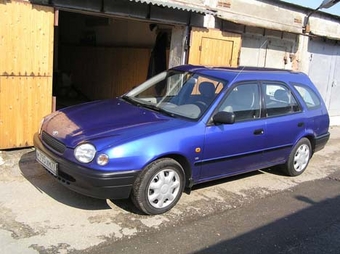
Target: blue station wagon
point(184, 126)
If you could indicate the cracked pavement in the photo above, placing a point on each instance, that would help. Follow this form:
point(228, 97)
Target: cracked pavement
point(39, 215)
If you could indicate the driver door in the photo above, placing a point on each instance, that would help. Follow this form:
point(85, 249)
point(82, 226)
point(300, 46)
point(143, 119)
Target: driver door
point(235, 148)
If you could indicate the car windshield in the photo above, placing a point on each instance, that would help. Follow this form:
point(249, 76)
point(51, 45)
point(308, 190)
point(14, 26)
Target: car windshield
point(176, 93)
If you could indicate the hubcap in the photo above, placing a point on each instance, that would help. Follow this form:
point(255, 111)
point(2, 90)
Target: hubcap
point(301, 157)
point(164, 188)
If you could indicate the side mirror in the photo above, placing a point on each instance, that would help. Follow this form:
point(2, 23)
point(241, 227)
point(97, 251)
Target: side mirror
point(223, 117)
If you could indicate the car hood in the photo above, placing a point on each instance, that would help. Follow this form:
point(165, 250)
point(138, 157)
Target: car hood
point(106, 123)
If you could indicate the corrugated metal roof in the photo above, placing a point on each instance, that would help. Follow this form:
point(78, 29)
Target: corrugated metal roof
point(192, 5)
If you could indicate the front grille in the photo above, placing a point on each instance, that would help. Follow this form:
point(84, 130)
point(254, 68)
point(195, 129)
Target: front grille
point(53, 143)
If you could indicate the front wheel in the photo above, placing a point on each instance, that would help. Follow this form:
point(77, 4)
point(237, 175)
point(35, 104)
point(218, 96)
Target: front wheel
point(299, 158)
point(159, 186)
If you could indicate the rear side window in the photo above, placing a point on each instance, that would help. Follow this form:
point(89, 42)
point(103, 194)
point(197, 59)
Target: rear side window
point(309, 96)
point(279, 100)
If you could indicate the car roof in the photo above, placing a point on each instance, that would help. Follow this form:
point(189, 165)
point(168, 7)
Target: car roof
point(246, 73)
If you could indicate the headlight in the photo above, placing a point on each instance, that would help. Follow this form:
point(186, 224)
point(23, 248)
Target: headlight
point(85, 153)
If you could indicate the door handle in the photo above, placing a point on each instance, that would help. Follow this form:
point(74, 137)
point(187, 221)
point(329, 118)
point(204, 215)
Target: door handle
point(258, 132)
point(301, 124)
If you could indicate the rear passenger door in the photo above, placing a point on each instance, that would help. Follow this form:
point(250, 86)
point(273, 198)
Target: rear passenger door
point(285, 121)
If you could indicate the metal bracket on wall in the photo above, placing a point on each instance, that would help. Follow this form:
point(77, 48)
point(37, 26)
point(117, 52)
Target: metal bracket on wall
point(56, 17)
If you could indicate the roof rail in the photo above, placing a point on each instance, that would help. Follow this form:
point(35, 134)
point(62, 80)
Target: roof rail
point(254, 68)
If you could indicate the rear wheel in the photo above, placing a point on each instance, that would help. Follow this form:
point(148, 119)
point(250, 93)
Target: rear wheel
point(159, 186)
point(299, 158)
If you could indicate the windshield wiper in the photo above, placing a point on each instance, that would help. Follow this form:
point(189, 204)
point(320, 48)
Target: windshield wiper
point(161, 110)
point(129, 99)
point(149, 106)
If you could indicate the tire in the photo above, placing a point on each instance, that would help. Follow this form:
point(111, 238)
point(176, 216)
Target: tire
point(299, 158)
point(159, 187)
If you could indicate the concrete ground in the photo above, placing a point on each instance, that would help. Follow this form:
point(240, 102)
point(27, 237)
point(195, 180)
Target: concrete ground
point(39, 215)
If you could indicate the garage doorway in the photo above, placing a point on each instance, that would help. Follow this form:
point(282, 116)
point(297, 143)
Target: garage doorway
point(323, 70)
point(101, 57)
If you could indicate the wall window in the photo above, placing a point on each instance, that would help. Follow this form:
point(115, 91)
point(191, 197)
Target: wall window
point(279, 100)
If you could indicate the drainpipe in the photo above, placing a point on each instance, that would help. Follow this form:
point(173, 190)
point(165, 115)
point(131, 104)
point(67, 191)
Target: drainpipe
point(186, 46)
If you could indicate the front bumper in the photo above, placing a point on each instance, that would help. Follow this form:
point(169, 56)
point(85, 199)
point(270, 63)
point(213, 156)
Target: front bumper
point(97, 184)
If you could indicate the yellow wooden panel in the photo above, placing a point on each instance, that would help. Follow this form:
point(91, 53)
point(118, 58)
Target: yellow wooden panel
point(23, 102)
point(213, 47)
point(221, 57)
point(26, 58)
point(131, 71)
point(101, 73)
point(26, 39)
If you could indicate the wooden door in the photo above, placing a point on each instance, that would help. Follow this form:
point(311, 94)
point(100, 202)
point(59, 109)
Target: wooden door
point(26, 50)
point(212, 47)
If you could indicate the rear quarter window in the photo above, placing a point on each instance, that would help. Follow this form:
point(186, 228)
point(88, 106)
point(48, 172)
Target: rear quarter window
point(308, 95)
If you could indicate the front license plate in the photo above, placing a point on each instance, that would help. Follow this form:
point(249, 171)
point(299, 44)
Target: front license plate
point(48, 163)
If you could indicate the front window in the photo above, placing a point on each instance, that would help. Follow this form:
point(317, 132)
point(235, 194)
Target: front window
point(177, 93)
point(243, 101)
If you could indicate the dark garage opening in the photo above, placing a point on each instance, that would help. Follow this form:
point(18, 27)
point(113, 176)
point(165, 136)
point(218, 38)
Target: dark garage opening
point(100, 57)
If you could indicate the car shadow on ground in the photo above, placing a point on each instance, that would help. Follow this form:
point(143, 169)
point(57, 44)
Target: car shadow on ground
point(127, 205)
point(45, 183)
point(276, 170)
point(224, 180)
point(272, 170)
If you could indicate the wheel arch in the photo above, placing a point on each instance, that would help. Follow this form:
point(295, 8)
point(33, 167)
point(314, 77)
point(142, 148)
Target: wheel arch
point(185, 164)
point(311, 139)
